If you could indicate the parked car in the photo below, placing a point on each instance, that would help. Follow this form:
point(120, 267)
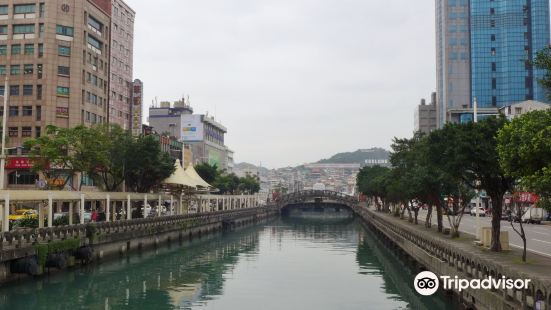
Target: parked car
point(481, 211)
point(22, 214)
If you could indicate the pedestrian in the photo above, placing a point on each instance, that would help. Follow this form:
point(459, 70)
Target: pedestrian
point(94, 216)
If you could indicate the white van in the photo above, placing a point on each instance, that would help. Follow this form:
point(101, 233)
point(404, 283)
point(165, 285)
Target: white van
point(533, 215)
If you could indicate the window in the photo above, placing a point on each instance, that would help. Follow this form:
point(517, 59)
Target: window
point(13, 131)
point(2, 69)
point(493, 37)
point(27, 110)
point(14, 90)
point(29, 49)
point(64, 30)
point(63, 50)
point(3, 10)
point(37, 132)
point(27, 90)
point(15, 69)
point(1, 90)
point(23, 8)
point(3, 29)
point(494, 83)
point(3, 49)
point(23, 29)
point(494, 67)
point(62, 91)
point(42, 9)
point(493, 51)
point(26, 131)
point(40, 50)
point(62, 70)
point(38, 92)
point(39, 71)
point(16, 49)
point(22, 178)
point(28, 69)
point(38, 113)
point(14, 111)
point(95, 43)
point(94, 23)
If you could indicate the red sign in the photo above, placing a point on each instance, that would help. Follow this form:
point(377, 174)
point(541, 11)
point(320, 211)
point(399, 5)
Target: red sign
point(525, 197)
point(18, 163)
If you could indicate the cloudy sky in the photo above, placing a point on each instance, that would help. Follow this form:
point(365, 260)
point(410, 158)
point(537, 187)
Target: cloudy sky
point(294, 81)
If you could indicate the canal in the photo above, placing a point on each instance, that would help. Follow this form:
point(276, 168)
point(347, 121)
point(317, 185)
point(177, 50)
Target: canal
point(293, 263)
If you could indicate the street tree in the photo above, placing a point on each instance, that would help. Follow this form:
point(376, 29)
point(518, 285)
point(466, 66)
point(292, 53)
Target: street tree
point(524, 147)
point(62, 153)
point(148, 166)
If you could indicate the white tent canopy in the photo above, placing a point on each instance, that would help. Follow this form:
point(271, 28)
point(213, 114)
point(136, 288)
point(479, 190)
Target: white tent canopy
point(190, 171)
point(180, 177)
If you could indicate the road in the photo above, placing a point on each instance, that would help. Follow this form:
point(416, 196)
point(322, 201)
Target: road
point(538, 237)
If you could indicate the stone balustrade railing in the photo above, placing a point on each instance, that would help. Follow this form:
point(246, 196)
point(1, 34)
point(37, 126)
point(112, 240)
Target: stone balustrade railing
point(472, 263)
point(28, 237)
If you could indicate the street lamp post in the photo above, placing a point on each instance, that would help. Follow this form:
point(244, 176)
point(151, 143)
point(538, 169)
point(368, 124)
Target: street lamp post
point(4, 129)
point(477, 208)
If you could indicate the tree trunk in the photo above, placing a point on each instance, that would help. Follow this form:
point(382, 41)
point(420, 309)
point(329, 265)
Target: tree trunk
point(428, 223)
point(439, 217)
point(497, 205)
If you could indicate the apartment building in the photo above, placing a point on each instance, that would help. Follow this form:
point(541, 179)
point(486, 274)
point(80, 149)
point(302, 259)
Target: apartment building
point(122, 51)
point(54, 56)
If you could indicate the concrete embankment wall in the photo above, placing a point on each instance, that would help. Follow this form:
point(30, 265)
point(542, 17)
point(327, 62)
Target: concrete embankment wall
point(29, 253)
point(439, 254)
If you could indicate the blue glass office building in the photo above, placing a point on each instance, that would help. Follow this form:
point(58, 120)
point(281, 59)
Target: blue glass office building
point(503, 37)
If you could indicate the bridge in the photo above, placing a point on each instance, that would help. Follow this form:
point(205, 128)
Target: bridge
point(317, 200)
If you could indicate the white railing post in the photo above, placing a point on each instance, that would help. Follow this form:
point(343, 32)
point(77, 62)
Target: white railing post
point(171, 205)
point(81, 208)
point(71, 210)
point(145, 214)
point(107, 208)
point(159, 205)
point(128, 208)
point(50, 211)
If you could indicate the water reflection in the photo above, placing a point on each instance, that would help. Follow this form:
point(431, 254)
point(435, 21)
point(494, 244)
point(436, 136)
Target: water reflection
point(296, 263)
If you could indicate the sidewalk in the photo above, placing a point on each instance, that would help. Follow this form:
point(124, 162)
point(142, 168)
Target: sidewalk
point(538, 266)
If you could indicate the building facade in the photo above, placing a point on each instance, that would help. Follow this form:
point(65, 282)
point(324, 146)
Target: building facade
point(121, 80)
point(425, 116)
point(201, 133)
point(484, 50)
point(55, 56)
point(519, 108)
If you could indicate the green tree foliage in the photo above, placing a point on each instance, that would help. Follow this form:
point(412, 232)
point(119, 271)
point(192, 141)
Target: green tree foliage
point(106, 153)
point(372, 182)
point(524, 147)
point(228, 183)
point(148, 166)
point(207, 172)
point(63, 152)
point(543, 62)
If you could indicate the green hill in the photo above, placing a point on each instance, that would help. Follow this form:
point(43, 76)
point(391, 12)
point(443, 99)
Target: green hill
point(357, 157)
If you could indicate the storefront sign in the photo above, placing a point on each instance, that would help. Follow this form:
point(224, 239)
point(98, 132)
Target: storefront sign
point(525, 197)
point(18, 163)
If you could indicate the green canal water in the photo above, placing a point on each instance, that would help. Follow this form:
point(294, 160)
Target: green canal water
point(294, 263)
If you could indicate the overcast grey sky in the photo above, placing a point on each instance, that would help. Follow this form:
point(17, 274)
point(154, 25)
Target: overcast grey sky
point(294, 81)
